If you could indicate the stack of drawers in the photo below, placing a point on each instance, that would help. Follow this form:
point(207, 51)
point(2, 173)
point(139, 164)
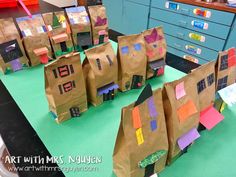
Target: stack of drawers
point(191, 31)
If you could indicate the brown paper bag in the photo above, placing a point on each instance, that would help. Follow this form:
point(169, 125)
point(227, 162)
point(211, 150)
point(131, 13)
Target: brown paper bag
point(101, 72)
point(226, 68)
point(89, 2)
point(35, 39)
point(141, 145)
point(132, 61)
point(12, 54)
point(205, 79)
point(65, 87)
point(59, 33)
point(81, 27)
point(99, 23)
point(155, 50)
point(181, 105)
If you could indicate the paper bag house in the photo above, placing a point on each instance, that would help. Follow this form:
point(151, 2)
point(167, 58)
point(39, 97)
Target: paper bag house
point(205, 79)
point(141, 145)
point(156, 51)
point(12, 54)
point(81, 27)
point(132, 62)
point(181, 105)
point(65, 87)
point(59, 33)
point(35, 39)
point(101, 72)
point(99, 24)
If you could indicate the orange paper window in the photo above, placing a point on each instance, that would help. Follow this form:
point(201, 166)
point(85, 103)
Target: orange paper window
point(60, 38)
point(185, 111)
point(136, 118)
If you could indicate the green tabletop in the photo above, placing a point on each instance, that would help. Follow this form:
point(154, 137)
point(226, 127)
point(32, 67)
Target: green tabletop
point(94, 133)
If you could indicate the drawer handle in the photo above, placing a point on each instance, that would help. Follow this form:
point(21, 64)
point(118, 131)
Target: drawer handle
point(181, 35)
point(202, 13)
point(182, 23)
point(197, 37)
point(193, 49)
point(185, 11)
point(190, 58)
point(177, 45)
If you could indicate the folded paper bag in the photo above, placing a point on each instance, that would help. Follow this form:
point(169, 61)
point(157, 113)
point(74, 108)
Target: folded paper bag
point(60, 38)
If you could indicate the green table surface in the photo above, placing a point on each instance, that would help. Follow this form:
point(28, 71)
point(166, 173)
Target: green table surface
point(94, 133)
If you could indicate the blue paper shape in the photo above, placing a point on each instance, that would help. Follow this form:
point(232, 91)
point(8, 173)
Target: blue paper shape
point(125, 50)
point(153, 125)
point(106, 89)
point(137, 47)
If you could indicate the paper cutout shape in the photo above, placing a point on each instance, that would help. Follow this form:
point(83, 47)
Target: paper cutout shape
point(16, 65)
point(222, 108)
point(210, 117)
point(84, 39)
point(150, 53)
point(10, 51)
point(180, 91)
point(125, 50)
point(188, 138)
point(55, 22)
point(222, 83)
point(161, 71)
point(187, 110)
point(224, 62)
point(231, 57)
point(153, 125)
point(145, 94)
point(137, 47)
point(106, 89)
point(60, 38)
point(63, 46)
point(228, 94)
point(109, 96)
point(109, 60)
point(136, 81)
point(66, 87)
point(153, 158)
point(154, 65)
point(136, 118)
point(139, 136)
point(101, 39)
point(153, 37)
point(99, 64)
point(40, 51)
point(152, 108)
point(74, 112)
point(101, 21)
point(63, 71)
point(201, 85)
point(210, 79)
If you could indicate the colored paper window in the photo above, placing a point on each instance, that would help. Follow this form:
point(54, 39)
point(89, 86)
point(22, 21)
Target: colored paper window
point(180, 91)
point(109, 60)
point(10, 51)
point(222, 83)
point(152, 108)
point(136, 118)
point(74, 112)
point(99, 64)
point(188, 138)
point(186, 110)
point(224, 62)
point(136, 81)
point(63, 71)
point(210, 79)
point(16, 65)
point(125, 50)
point(153, 125)
point(210, 118)
point(232, 57)
point(137, 47)
point(84, 39)
point(201, 85)
point(139, 136)
point(66, 87)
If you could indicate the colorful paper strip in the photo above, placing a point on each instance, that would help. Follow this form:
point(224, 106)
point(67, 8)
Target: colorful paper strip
point(187, 110)
point(139, 136)
point(136, 118)
point(188, 138)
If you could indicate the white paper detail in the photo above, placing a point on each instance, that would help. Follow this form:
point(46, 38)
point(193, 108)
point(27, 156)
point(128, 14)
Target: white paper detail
point(228, 94)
